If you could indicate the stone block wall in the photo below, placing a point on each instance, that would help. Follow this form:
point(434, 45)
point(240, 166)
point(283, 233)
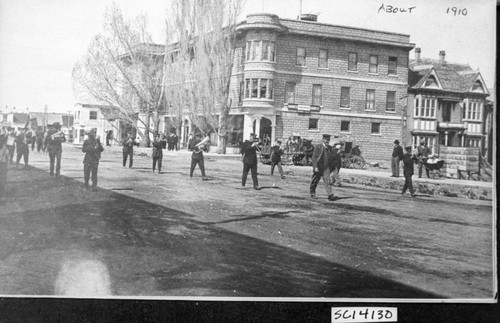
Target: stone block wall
point(374, 147)
point(459, 158)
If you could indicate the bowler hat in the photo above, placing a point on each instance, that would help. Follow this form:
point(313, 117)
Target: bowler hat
point(396, 142)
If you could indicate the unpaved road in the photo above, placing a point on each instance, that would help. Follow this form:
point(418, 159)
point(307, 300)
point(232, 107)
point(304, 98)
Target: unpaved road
point(169, 235)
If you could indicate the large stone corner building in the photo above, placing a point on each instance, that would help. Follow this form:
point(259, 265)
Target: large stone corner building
point(305, 78)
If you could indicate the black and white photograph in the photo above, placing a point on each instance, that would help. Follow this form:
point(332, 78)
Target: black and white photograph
point(270, 152)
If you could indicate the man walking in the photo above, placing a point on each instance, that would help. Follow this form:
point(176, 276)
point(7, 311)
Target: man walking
point(336, 165)
point(321, 161)
point(397, 155)
point(128, 150)
point(92, 148)
point(196, 147)
point(408, 161)
point(423, 155)
point(276, 152)
point(249, 150)
point(22, 147)
point(158, 145)
point(55, 137)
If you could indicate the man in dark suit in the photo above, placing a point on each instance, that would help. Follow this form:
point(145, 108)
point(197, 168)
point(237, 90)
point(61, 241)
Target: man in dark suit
point(397, 156)
point(249, 150)
point(322, 160)
point(197, 156)
point(92, 148)
point(408, 165)
point(128, 144)
point(52, 144)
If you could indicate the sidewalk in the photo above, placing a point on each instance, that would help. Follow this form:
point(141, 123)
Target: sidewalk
point(380, 178)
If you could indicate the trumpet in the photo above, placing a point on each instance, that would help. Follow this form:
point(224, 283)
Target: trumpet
point(199, 146)
point(58, 134)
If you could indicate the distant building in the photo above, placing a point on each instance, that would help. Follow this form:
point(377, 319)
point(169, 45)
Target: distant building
point(446, 108)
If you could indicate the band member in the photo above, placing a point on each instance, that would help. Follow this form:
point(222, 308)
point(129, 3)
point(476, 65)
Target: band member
point(408, 161)
point(22, 147)
point(159, 144)
point(4, 160)
point(249, 150)
point(276, 152)
point(197, 146)
point(52, 143)
point(92, 148)
point(128, 144)
point(39, 141)
point(321, 161)
point(10, 143)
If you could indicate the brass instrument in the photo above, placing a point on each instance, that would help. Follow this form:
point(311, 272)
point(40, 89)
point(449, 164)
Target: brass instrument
point(58, 134)
point(201, 145)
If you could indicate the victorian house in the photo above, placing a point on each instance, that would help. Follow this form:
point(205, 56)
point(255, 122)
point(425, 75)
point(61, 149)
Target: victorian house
point(446, 109)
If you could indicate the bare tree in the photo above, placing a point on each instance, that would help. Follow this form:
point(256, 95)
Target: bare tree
point(124, 69)
point(206, 34)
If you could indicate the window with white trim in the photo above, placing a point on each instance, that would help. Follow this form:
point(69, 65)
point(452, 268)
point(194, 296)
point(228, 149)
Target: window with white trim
point(323, 58)
point(259, 88)
point(301, 56)
point(425, 107)
point(370, 100)
point(373, 66)
point(352, 64)
point(317, 95)
point(391, 101)
point(290, 92)
point(345, 97)
point(92, 115)
point(472, 111)
point(392, 66)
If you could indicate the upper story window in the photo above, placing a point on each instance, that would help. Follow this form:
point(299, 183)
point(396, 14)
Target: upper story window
point(392, 66)
point(375, 128)
point(370, 100)
point(472, 111)
point(290, 92)
point(317, 95)
point(345, 97)
point(259, 88)
point(243, 52)
point(431, 81)
point(301, 56)
point(93, 115)
point(373, 67)
point(323, 58)
point(391, 101)
point(425, 107)
point(267, 53)
point(353, 62)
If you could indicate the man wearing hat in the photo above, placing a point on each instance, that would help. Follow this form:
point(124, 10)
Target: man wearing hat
point(196, 146)
point(128, 144)
point(397, 155)
point(92, 148)
point(52, 144)
point(423, 154)
point(322, 160)
point(408, 163)
point(22, 147)
point(249, 151)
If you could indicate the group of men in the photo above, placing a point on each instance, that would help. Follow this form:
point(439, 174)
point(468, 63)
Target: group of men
point(420, 156)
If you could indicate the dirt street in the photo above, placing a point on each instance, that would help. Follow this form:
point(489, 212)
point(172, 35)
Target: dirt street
point(148, 234)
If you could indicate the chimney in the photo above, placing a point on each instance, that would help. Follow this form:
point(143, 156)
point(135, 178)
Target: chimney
point(418, 50)
point(442, 55)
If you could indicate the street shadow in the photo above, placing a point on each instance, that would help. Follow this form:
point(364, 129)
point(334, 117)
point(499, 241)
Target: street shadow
point(151, 249)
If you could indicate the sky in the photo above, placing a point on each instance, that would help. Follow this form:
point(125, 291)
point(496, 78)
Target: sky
point(41, 40)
